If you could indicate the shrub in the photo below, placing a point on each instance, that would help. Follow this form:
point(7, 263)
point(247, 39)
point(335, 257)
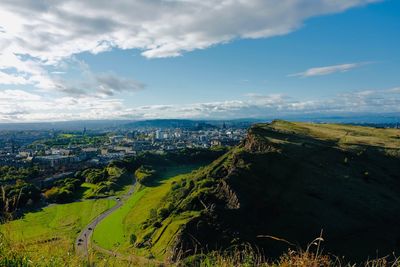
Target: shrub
point(145, 175)
point(132, 239)
point(58, 195)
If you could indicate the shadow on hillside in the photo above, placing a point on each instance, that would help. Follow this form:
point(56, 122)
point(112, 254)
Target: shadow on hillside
point(304, 185)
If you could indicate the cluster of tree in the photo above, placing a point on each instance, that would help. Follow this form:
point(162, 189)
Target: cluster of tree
point(145, 175)
point(64, 140)
point(63, 191)
point(8, 173)
point(95, 176)
point(20, 194)
point(183, 156)
point(190, 155)
point(106, 180)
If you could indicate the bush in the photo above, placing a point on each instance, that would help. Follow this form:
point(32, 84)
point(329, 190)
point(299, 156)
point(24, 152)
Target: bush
point(95, 176)
point(145, 175)
point(163, 213)
point(132, 239)
point(17, 195)
point(58, 195)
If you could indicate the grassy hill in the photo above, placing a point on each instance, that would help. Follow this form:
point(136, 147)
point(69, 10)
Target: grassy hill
point(115, 232)
point(47, 236)
point(281, 186)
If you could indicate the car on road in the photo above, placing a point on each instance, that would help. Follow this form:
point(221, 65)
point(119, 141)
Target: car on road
point(80, 240)
point(90, 229)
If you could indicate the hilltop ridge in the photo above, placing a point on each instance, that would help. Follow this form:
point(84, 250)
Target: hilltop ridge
point(289, 181)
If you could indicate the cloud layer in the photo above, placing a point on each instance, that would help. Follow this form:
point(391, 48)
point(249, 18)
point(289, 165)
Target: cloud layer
point(18, 105)
point(51, 30)
point(39, 33)
point(37, 38)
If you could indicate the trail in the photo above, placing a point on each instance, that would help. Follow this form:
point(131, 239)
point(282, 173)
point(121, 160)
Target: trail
point(82, 242)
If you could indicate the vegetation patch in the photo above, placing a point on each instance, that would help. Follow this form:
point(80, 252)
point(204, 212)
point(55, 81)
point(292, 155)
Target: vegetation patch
point(48, 235)
point(145, 175)
point(118, 230)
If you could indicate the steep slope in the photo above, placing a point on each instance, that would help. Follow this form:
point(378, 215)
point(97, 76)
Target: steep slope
point(289, 181)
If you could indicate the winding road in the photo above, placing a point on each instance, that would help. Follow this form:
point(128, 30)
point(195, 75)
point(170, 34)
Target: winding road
point(82, 242)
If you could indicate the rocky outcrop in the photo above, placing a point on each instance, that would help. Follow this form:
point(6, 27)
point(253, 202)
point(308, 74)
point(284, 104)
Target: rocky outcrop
point(254, 143)
point(230, 197)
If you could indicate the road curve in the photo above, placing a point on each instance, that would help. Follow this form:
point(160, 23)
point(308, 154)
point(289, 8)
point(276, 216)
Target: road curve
point(82, 242)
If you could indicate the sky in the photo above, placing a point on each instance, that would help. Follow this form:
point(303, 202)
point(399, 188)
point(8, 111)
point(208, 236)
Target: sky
point(97, 59)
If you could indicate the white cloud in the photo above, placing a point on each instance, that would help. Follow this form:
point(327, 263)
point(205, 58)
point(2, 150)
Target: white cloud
point(18, 105)
point(6, 78)
point(36, 37)
point(35, 34)
point(100, 85)
point(110, 83)
point(319, 71)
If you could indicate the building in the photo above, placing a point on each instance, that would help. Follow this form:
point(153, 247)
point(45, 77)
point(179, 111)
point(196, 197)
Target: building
point(215, 143)
point(55, 160)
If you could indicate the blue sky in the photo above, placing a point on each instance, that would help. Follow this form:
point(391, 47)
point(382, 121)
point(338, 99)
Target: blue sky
point(255, 60)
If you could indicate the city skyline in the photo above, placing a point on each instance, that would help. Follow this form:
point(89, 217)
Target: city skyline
point(199, 60)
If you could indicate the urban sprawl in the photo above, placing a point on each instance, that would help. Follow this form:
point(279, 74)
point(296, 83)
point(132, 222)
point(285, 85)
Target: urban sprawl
point(60, 153)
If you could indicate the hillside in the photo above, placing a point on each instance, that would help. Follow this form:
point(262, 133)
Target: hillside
point(287, 181)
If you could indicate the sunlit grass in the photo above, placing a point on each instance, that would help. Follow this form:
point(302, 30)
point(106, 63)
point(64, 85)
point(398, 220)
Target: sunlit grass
point(114, 231)
point(49, 234)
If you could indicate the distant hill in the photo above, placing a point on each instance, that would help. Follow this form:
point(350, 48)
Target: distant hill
point(390, 120)
point(284, 184)
point(167, 123)
point(190, 124)
point(125, 124)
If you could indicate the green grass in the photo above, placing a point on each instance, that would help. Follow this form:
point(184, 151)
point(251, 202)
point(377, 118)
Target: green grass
point(89, 190)
point(114, 232)
point(164, 236)
point(51, 232)
point(109, 233)
point(341, 133)
point(65, 135)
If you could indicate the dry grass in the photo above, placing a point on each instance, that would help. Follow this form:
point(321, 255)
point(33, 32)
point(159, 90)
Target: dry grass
point(245, 256)
point(313, 256)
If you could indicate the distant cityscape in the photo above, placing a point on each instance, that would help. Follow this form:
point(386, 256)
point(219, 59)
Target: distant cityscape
point(59, 153)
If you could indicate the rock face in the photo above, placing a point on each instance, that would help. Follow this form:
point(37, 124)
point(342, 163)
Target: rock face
point(290, 181)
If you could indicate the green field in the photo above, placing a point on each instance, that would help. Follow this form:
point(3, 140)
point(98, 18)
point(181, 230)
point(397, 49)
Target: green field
point(114, 232)
point(343, 134)
point(51, 232)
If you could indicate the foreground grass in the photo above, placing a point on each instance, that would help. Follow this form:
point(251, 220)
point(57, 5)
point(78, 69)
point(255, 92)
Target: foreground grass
point(114, 232)
point(239, 257)
point(250, 258)
point(47, 236)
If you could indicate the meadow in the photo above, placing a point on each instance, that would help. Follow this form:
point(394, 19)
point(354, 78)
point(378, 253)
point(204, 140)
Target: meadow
point(47, 236)
point(114, 232)
point(344, 135)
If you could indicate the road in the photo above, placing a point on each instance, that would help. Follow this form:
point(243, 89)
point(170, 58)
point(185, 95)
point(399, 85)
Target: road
point(82, 242)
